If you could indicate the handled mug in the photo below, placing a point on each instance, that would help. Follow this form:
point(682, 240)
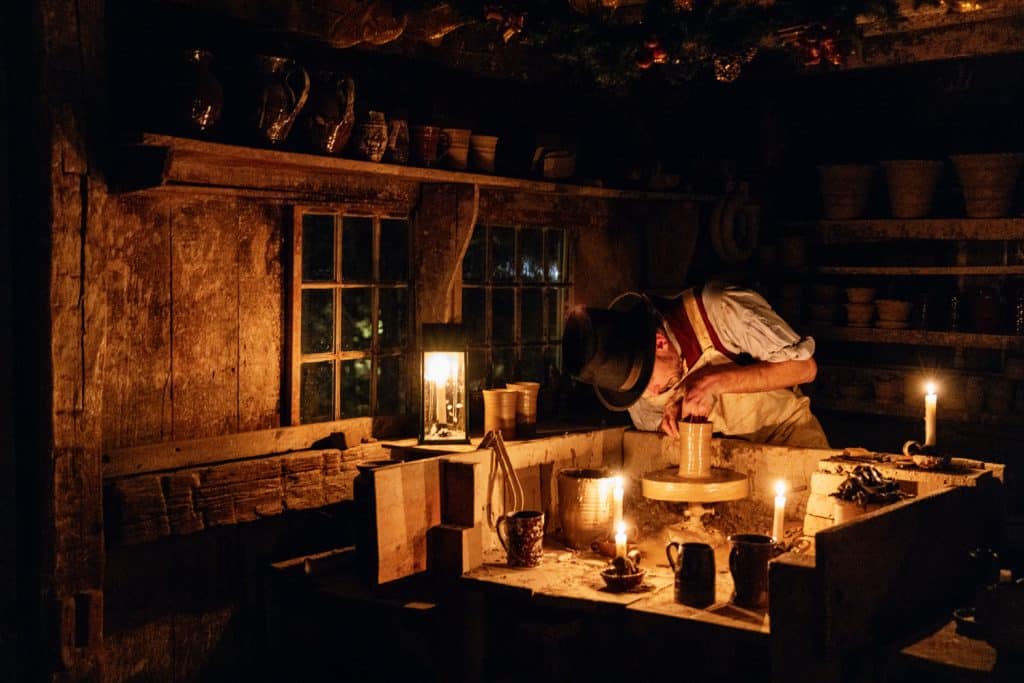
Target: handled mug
point(748, 564)
point(694, 570)
point(523, 537)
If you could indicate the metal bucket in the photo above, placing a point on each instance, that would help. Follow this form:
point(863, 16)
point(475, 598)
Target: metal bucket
point(585, 500)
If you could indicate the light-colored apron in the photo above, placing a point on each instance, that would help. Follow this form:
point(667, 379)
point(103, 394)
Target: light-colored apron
point(780, 416)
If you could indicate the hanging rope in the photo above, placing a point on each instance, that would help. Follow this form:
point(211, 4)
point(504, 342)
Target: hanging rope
point(513, 498)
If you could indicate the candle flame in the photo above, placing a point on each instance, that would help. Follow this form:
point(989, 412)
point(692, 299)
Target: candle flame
point(438, 368)
point(780, 488)
point(620, 528)
point(929, 388)
point(617, 481)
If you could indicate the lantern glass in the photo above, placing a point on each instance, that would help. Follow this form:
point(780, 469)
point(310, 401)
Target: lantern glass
point(444, 408)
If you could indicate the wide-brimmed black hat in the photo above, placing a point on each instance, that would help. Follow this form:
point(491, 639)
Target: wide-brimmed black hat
point(612, 348)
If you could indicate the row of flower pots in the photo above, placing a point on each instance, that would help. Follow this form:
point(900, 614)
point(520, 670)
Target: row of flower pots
point(988, 182)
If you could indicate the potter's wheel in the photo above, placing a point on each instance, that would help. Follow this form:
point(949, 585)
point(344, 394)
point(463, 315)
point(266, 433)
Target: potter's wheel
point(722, 485)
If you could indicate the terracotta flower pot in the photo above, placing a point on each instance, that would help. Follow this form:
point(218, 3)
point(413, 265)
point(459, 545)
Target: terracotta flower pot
point(844, 190)
point(911, 186)
point(988, 181)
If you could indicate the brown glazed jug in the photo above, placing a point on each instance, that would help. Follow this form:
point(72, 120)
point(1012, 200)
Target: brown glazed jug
point(331, 112)
point(283, 89)
point(694, 569)
point(201, 95)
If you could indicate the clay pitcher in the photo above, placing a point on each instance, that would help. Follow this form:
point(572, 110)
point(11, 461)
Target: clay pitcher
point(284, 87)
point(201, 94)
point(332, 112)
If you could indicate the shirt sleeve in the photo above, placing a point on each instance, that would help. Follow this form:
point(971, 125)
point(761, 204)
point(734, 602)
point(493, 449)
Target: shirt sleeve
point(746, 323)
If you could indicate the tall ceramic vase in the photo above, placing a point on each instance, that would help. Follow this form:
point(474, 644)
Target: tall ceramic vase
point(283, 89)
point(331, 112)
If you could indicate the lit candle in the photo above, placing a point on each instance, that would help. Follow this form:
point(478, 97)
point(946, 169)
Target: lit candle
point(620, 539)
point(779, 519)
point(930, 399)
point(617, 494)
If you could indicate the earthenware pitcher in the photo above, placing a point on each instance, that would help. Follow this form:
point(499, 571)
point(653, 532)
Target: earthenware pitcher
point(201, 94)
point(284, 87)
point(332, 112)
point(694, 568)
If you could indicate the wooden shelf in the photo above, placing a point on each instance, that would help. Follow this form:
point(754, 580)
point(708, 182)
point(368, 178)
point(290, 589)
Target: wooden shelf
point(919, 270)
point(875, 335)
point(882, 229)
point(165, 161)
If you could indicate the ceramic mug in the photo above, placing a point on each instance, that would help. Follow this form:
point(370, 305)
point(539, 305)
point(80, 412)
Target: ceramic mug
point(424, 145)
point(500, 411)
point(522, 536)
point(748, 564)
point(526, 408)
point(694, 569)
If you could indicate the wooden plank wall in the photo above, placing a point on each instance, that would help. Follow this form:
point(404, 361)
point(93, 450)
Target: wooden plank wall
point(194, 320)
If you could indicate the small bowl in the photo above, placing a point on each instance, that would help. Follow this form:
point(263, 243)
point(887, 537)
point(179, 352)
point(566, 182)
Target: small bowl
point(860, 295)
point(622, 582)
point(893, 309)
point(928, 462)
point(859, 314)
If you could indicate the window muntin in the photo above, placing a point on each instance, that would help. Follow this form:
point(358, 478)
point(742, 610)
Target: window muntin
point(515, 290)
point(351, 304)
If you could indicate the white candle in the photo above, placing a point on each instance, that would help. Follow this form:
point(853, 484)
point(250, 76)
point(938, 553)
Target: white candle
point(779, 519)
point(617, 494)
point(930, 399)
point(620, 539)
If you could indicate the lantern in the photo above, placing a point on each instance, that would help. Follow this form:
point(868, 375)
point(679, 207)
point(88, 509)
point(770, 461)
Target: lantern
point(444, 409)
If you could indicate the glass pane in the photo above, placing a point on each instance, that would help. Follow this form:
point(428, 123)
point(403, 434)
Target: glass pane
point(477, 374)
point(556, 300)
point(555, 252)
point(531, 266)
point(473, 316)
point(316, 402)
point(356, 249)
point(473, 262)
point(531, 366)
point(504, 367)
point(531, 312)
point(503, 302)
point(394, 250)
point(503, 254)
point(317, 248)
point(390, 386)
point(356, 323)
point(355, 388)
point(393, 317)
point(317, 320)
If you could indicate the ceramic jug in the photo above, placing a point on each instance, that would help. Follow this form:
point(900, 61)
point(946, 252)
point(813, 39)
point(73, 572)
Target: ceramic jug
point(694, 569)
point(372, 138)
point(284, 87)
point(331, 112)
point(201, 98)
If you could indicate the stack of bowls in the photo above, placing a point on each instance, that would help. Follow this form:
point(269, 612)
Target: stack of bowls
point(861, 308)
point(893, 314)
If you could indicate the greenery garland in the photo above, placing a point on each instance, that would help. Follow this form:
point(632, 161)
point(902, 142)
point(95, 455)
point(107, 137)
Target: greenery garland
point(676, 39)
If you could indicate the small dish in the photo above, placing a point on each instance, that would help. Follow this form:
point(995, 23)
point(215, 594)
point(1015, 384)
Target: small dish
point(622, 582)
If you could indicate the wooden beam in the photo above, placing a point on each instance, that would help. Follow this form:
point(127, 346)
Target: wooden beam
point(172, 455)
point(444, 223)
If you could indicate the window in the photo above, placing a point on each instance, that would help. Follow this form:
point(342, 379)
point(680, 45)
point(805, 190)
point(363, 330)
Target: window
point(514, 293)
point(350, 306)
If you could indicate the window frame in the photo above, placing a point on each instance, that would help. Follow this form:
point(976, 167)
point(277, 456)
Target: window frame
point(488, 284)
point(296, 358)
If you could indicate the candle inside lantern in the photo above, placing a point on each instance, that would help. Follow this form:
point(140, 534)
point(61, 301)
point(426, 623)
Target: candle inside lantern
point(930, 400)
point(620, 539)
point(779, 519)
point(617, 494)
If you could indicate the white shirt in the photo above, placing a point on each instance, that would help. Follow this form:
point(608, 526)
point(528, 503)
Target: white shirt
point(745, 323)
